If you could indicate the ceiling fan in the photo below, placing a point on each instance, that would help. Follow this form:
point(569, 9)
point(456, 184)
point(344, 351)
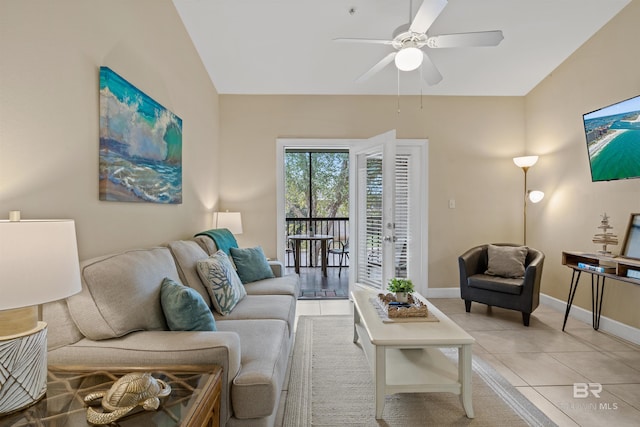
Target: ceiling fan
point(412, 43)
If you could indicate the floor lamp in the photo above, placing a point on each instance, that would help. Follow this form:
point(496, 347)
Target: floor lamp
point(38, 264)
point(525, 162)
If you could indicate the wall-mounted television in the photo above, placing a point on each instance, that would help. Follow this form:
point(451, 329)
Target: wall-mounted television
point(613, 140)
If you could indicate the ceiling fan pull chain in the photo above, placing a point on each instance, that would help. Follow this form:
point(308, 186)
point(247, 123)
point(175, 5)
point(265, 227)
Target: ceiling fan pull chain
point(398, 71)
point(420, 83)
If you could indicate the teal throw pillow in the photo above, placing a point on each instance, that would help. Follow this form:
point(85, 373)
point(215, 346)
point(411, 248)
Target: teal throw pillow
point(222, 282)
point(251, 263)
point(184, 308)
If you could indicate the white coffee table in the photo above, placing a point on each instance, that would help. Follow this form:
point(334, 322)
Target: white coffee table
point(405, 357)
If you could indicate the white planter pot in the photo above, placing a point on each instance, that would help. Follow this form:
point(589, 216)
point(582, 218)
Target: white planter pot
point(402, 296)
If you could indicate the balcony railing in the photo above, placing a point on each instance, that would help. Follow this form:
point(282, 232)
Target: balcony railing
point(336, 227)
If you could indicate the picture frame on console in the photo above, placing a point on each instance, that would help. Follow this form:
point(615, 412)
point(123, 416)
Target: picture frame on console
point(631, 245)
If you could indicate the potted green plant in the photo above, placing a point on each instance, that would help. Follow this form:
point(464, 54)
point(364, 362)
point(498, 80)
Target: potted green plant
point(401, 288)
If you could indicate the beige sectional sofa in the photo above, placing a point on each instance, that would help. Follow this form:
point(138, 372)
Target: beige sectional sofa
point(117, 320)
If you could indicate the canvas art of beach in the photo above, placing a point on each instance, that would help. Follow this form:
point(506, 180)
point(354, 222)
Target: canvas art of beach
point(613, 140)
point(140, 145)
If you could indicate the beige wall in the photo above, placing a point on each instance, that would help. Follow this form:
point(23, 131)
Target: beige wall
point(603, 71)
point(471, 143)
point(50, 53)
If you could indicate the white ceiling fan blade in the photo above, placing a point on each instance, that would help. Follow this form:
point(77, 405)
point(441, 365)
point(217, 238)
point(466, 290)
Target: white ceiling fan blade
point(482, 38)
point(372, 41)
point(430, 73)
point(426, 15)
point(379, 66)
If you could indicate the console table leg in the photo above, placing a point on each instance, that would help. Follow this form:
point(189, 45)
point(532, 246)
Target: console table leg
point(597, 292)
point(575, 278)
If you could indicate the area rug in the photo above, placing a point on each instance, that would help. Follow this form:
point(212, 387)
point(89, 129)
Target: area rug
point(331, 385)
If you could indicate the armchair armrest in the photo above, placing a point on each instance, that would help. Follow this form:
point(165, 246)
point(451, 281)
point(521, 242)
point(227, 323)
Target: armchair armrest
point(471, 262)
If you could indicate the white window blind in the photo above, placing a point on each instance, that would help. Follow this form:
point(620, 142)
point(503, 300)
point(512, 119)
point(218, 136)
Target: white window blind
point(370, 238)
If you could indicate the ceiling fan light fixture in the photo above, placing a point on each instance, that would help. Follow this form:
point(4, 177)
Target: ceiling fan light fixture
point(408, 58)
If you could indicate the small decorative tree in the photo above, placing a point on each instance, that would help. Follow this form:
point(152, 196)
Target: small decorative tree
point(401, 287)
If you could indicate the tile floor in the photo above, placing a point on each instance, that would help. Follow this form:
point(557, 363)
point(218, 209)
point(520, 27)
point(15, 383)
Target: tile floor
point(542, 361)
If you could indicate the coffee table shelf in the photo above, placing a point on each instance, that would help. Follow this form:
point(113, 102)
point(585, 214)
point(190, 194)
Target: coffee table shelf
point(194, 400)
point(406, 357)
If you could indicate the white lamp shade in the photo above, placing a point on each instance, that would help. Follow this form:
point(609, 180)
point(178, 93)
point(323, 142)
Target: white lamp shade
point(525, 161)
point(408, 59)
point(38, 262)
point(535, 196)
point(229, 220)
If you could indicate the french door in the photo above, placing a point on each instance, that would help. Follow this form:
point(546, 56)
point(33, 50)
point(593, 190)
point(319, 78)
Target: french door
point(390, 209)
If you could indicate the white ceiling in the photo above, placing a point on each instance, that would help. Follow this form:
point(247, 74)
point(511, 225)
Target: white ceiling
point(286, 47)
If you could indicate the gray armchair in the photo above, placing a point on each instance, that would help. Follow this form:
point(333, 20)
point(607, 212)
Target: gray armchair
point(521, 294)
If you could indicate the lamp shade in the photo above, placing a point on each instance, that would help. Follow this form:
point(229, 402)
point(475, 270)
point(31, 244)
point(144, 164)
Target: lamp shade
point(535, 196)
point(525, 161)
point(230, 220)
point(408, 58)
point(38, 262)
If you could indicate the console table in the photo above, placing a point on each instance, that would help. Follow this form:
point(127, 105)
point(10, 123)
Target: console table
point(194, 400)
point(600, 267)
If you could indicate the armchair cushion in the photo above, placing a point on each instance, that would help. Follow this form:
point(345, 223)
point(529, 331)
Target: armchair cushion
point(506, 261)
point(505, 285)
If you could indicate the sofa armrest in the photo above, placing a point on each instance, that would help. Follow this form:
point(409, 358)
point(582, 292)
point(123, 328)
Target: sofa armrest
point(277, 267)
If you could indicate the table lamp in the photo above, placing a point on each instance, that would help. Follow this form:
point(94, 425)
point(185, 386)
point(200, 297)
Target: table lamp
point(38, 264)
point(229, 220)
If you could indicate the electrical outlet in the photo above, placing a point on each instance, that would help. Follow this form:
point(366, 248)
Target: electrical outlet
point(452, 204)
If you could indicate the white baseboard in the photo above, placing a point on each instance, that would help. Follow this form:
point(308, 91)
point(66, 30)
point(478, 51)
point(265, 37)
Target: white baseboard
point(443, 293)
point(611, 326)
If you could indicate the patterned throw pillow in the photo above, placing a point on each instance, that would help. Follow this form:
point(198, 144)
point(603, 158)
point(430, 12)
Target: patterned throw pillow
point(222, 282)
point(184, 308)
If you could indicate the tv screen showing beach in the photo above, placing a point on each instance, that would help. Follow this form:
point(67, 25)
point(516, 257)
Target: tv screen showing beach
point(613, 140)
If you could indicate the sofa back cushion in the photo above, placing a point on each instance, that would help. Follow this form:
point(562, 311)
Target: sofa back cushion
point(187, 253)
point(207, 244)
point(121, 293)
point(61, 329)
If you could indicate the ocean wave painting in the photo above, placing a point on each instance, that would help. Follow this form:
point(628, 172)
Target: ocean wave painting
point(140, 145)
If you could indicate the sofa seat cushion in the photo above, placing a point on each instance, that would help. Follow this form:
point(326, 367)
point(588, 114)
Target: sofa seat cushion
point(256, 307)
point(265, 346)
point(154, 348)
point(285, 285)
point(121, 293)
point(496, 283)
